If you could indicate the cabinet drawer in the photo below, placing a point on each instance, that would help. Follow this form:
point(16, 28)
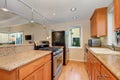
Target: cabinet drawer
point(29, 68)
point(106, 74)
point(48, 57)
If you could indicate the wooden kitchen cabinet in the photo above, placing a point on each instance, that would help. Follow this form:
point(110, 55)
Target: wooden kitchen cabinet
point(31, 77)
point(94, 67)
point(43, 73)
point(117, 14)
point(89, 64)
point(99, 22)
point(96, 70)
point(39, 74)
point(47, 71)
point(106, 75)
point(39, 69)
point(29, 68)
point(93, 25)
point(11, 75)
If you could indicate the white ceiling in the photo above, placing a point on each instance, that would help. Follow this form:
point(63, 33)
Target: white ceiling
point(61, 8)
point(10, 19)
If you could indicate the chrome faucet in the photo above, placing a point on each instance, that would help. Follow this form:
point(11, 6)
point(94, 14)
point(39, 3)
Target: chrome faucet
point(113, 47)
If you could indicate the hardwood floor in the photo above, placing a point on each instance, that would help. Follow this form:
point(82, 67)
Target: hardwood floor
point(74, 71)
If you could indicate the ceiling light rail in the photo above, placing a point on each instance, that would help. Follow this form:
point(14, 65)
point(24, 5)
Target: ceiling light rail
point(33, 10)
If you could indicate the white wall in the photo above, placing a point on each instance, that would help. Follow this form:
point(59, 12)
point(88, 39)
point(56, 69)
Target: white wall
point(3, 38)
point(40, 33)
point(37, 31)
point(75, 53)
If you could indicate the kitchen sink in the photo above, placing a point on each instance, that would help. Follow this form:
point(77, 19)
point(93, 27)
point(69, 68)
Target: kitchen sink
point(104, 51)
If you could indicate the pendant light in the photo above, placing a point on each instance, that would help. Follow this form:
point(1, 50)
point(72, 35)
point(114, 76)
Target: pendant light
point(32, 21)
point(5, 7)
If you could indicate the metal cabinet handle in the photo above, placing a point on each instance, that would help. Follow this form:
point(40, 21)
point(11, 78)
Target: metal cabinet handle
point(106, 76)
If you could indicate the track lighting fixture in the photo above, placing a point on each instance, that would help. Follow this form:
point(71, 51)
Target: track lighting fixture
point(5, 7)
point(32, 21)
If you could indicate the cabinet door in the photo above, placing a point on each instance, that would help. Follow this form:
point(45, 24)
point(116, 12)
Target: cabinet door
point(99, 23)
point(8, 75)
point(47, 71)
point(39, 74)
point(93, 25)
point(102, 22)
point(117, 13)
point(97, 73)
point(106, 75)
point(93, 70)
point(30, 77)
point(89, 64)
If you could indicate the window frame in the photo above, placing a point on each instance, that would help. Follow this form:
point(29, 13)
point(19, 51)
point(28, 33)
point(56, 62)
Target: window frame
point(22, 36)
point(81, 37)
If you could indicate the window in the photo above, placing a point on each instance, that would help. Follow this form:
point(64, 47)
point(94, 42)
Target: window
point(75, 37)
point(16, 38)
point(11, 38)
point(3, 38)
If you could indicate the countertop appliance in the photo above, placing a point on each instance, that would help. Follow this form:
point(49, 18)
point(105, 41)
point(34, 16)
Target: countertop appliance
point(41, 44)
point(60, 38)
point(57, 60)
point(94, 42)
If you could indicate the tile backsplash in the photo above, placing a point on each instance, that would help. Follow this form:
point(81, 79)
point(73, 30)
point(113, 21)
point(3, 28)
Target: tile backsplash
point(13, 49)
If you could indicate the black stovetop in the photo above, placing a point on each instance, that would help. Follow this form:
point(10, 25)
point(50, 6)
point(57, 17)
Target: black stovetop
point(53, 49)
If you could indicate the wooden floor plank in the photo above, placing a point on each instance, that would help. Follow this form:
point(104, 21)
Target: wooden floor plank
point(74, 71)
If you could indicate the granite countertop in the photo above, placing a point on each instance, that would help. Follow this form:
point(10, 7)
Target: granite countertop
point(13, 45)
point(110, 60)
point(13, 61)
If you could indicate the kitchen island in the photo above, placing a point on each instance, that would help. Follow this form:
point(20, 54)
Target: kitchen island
point(103, 64)
point(28, 65)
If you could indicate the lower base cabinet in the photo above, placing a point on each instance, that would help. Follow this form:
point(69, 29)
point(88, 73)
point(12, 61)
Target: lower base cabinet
point(106, 75)
point(37, 75)
point(36, 70)
point(47, 71)
point(31, 77)
point(96, 70)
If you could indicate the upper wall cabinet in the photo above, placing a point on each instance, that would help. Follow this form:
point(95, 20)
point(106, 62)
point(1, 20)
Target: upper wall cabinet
point(99, 22)
point(117, 14)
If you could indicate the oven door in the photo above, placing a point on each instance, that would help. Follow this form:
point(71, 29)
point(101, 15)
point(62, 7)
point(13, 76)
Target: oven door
point(58, 63)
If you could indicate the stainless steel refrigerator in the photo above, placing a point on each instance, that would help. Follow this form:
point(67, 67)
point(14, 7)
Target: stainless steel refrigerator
point(61, 38)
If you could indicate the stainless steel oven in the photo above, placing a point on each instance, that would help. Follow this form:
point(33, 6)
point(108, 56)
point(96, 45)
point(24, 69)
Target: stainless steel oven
point(57, 60)
point(57, 64)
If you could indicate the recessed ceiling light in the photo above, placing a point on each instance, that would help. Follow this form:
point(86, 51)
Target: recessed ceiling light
point(73, 9)
point(54, 14)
